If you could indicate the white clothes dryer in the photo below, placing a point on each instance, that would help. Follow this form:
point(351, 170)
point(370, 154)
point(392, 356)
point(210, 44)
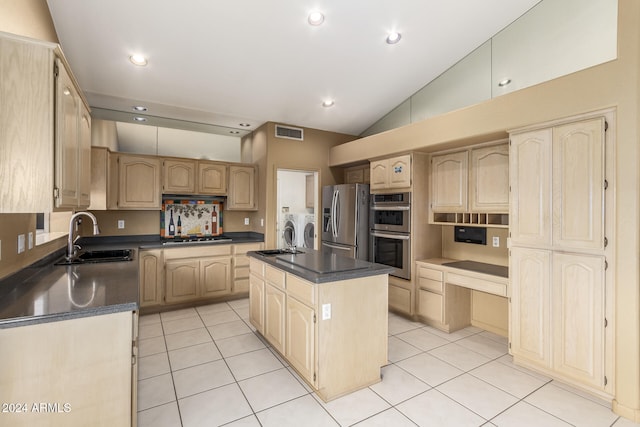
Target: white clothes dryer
point(309, 231)
point(292, 230)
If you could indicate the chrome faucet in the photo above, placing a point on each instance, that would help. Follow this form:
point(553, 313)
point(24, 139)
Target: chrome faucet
point(71, 249)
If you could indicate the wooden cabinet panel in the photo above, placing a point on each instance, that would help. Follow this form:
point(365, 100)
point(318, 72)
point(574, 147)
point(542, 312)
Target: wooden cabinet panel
point(400, 299)
point(139, 182)
point(578, 185)
point(274, 319)
point(212, 178)
point(256, 302)
point(530, 176)
point(181, 277)
point(150, 277)
point(300, 339)
point(84, 160)
point(241, 266)
point(489, 179)
point(530, 333)
point(215, 276)
point(431, 305)
point(392, 173)
point(449, 181)
point(578, 317)
point(242, 186)
point(179, 176)
point(66, 142)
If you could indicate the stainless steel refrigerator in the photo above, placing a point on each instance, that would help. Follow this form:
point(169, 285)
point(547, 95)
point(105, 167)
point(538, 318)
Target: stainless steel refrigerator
point(345, 220)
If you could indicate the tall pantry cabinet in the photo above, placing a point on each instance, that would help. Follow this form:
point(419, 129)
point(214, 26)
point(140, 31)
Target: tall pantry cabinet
point(559, 297)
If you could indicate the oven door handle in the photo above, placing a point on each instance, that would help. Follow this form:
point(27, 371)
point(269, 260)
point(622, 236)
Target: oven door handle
point(390, 208)
point(390, 236)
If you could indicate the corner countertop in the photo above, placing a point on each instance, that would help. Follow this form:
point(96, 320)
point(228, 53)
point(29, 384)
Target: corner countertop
point(45, 292)
point(322, 267)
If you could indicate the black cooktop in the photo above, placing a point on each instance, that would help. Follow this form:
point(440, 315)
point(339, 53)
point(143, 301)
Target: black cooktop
point(195, 239)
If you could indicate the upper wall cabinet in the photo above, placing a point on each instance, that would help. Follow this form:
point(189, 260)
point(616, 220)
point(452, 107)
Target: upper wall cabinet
point(357, 175)
point(185, 176)
point(471, 186)
point(211, 178)
point(393, 173)
point(138, 182)
point(242, 188)
point(45, 134)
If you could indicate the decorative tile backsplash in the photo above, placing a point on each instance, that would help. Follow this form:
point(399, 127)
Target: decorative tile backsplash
point(191, 217)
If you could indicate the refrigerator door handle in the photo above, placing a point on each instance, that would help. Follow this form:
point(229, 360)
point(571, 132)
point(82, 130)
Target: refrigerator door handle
point(334, 212)
point(329, 245)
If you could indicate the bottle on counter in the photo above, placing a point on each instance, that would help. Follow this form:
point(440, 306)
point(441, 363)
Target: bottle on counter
point(172, 226)
point(179, 226)
point(206, 228)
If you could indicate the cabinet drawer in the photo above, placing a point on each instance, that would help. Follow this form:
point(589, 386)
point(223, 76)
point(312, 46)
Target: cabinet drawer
point(400, 298)
point(430, 305)
point(429, 273)
point(477, 284)
point(256, 267)
point(430, 285)
point(197, 251)
point(241, 273)
point(240, 286)
point(301, 290)
point(241, 261)
point(274, 276)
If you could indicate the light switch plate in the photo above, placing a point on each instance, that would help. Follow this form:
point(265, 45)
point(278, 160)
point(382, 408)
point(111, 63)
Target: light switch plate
point(246, 221)
point(326, 311)
point(30, 240)
point(120, 224)
point(21, 243)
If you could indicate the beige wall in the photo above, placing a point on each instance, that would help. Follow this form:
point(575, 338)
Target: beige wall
point(29, 18)
point(612, 84)
point(271, 154)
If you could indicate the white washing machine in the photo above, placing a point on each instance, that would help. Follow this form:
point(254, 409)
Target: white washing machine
point(293, 230)
point(309, 231)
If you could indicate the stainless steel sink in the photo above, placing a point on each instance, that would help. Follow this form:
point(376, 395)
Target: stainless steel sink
point(274, 252)
point(92, 257)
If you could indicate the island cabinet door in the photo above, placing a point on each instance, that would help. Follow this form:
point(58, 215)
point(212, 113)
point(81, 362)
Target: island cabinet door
point(300, 342)
point(215, 276)
point(256, 302)
point(181, 280)
point(274, 322)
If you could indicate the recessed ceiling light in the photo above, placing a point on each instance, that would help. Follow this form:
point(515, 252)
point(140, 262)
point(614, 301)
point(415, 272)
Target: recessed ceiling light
point(139, 108)
point(328, 103)
point(504, 82)
point(393, 37)
point(244, 125)
point(138, 60)
point(316, 18)
point(235, 132)
point(139, 119)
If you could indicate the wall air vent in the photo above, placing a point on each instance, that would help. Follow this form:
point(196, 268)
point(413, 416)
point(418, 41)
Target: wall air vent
point(289, 133)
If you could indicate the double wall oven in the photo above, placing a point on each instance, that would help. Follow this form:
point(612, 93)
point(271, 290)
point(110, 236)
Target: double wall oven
point(390, 232)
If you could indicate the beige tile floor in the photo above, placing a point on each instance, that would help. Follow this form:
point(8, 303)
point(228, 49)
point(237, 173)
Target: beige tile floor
point(205, 366)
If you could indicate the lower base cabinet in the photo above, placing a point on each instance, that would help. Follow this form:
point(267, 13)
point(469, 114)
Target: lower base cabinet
point(75, 372)
point(337, 353)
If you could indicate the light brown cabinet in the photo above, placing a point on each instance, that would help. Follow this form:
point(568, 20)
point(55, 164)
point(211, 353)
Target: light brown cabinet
point(179, 176)
point(241, 270)
point(357, 175)
point(242, 188)
point(559, 298)
point(392, 173)
point(193, 273)
point(151, 277)
point(471, 187)
point(211, 178)
point(45, 154)
point(337, 354)
point(138, 182)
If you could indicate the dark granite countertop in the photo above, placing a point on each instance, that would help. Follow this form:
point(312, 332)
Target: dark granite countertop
point(44, 292)
point(322, 267)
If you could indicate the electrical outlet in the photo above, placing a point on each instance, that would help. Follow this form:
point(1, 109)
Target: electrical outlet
point(246, 221)
point(326, 311)
point(261, 222)
point(30, 240)
point(496, 241)
point(21, 242)
point(120, 224)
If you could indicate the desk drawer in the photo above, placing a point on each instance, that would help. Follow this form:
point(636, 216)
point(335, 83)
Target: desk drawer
point(429, 273)
point(477, 284)
point(431, 285)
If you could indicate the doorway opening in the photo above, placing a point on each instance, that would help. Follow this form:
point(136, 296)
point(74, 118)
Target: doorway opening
point(297, 206)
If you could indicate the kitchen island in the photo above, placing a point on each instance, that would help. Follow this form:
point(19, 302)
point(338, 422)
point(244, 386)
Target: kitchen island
point(325, 314)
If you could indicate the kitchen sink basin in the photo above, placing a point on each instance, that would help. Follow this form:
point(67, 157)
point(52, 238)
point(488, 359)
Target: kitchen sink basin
point(92, 257)
point(274, 252)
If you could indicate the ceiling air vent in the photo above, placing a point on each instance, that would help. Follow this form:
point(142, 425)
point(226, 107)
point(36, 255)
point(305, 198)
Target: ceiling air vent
point(289, 133)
